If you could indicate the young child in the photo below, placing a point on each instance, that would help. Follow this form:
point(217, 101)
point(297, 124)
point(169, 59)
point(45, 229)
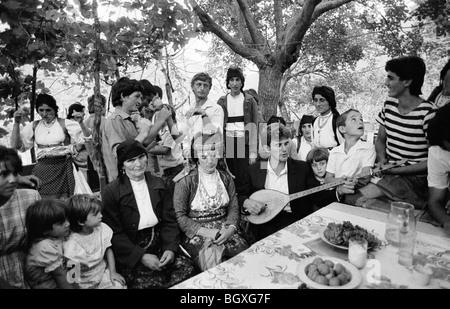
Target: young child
point(47, 228)
point(354, 157)
point(317, 158)
point(90, 244)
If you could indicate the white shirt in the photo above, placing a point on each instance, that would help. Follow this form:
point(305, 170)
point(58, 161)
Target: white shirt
point(438, 168)
point(277, 182)
point(235, 108)
point(144, 203)
point(215, 113)
point(322, 132)
point(305, 148)
point(51, 135)
point(360, 155)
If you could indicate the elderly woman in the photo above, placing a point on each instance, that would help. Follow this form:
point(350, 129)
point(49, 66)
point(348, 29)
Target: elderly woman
point(146, 235)
point(206, 206)
point(57, 139)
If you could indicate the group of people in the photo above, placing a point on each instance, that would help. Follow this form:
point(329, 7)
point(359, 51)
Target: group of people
point(150, 230)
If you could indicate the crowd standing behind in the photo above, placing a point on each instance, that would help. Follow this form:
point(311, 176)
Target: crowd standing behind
point(151, 232)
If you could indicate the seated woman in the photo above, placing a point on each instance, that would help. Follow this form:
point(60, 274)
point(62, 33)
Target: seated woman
point(146, 235)
point(206, 206)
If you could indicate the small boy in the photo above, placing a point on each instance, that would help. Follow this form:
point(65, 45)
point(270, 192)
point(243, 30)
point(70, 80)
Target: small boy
point(317, 158)
point(354, 157)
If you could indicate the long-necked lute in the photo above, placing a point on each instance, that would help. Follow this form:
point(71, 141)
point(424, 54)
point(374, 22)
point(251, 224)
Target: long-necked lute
point(275, 201)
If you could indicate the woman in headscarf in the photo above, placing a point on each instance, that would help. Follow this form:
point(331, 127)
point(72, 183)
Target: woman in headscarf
point(325, 133)
point(146, 235)
point(206, 206)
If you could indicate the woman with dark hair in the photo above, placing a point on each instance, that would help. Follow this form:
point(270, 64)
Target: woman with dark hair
point(441, 94)
point(206, 206)
point(146, 235)
point(57, 140)
point(304, 138)
point(325, 133)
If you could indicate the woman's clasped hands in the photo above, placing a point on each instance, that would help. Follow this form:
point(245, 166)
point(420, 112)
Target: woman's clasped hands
point(225, 233)
point(151, 261)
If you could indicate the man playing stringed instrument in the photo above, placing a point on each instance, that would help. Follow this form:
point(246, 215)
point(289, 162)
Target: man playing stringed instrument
point(281, 176)
point(403, 124)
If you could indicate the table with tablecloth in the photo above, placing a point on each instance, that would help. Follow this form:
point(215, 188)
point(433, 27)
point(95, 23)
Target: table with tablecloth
point(272, 262)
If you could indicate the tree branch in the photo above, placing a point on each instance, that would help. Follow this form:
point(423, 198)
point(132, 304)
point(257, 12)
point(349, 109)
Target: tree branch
point(297, 26)
point(242, 28)
point(325, 6)
point(209, 25)
point(251, 25)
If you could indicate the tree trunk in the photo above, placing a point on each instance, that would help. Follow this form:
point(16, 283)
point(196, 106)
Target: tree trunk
point(269, 89)
point(284, 111)
point(32, 104)
point(97, 161)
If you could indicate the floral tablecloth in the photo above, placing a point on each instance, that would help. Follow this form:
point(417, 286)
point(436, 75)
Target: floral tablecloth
point(272, 262)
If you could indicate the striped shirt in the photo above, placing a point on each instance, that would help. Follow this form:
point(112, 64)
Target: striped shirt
point(406, 134)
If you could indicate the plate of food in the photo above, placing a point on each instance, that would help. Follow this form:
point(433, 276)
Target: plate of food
point(338, 235)
point(328, 272)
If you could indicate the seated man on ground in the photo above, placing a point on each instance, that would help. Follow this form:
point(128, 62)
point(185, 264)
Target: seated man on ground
point(403, 124)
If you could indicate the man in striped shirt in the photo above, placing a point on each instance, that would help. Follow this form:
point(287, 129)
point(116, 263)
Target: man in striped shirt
point(403, 123)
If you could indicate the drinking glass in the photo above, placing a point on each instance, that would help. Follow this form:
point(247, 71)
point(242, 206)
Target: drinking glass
point(406, 248)
point(357, 251)
point(400, 212)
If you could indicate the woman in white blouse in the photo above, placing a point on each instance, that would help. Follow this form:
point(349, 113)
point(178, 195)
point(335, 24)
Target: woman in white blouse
point(325, 133)
point(56, 140)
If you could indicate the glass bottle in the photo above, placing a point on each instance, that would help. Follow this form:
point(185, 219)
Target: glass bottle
point(400, 212)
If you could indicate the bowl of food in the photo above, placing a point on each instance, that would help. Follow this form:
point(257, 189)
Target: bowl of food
point(328, 273)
